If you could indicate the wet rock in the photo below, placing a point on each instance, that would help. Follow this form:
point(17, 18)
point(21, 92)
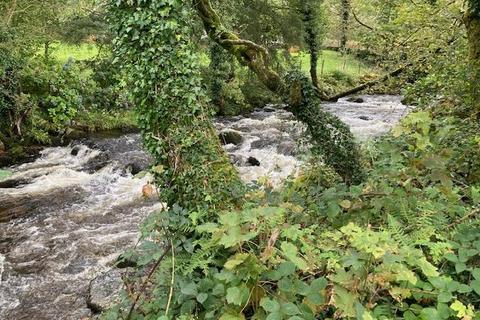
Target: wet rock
point(269, 108)
point(236, 159)
point(356, 99)
point(96, 163)
point(230, 137)
point(261, 144)
point(364, 118)
point(75, 151)
point(104, 291)
point(287, 148)
point(253, 162)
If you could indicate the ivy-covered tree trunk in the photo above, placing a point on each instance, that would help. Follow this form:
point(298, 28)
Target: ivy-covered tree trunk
point(331, 138)
point(344, 28)
point(310, 17)
point(472, 23)
point(153, 45)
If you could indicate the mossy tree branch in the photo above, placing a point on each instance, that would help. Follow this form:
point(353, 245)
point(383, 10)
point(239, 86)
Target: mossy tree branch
point(331, 138)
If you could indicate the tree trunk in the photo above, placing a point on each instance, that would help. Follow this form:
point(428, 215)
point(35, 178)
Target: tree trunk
point(191, 168)
point(310, 17)
point(472, 23)
point(331, 138)
point(345, 20)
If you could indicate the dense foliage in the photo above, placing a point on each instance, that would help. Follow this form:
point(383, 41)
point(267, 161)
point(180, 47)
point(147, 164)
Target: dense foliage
point(386, 230)
point(395, 237)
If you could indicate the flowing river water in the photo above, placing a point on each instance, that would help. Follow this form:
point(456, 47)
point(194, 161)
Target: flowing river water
point(67, 216)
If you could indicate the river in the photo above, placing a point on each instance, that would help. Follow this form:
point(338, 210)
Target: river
point(66, 217)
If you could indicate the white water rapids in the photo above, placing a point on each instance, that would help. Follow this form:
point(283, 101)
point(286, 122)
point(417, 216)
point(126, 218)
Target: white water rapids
point(66, 217)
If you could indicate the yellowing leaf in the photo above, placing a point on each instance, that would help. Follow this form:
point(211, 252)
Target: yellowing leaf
point(346, 204)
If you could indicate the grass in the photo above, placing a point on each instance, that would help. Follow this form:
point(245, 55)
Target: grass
point(333, 61)
point(62, 52)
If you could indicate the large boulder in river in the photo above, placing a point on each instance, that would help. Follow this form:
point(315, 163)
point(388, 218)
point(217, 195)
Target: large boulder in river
point(230, 137)
point(104, 291)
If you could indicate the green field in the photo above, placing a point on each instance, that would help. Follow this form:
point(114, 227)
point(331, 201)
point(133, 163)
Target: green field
point(334, 61)
point(62, 52)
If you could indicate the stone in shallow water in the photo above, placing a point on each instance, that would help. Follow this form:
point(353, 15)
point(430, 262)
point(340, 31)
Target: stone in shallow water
point(364, 118)
point(230, 137)
point(253, 162)
point(356, 99)
point(104, 291)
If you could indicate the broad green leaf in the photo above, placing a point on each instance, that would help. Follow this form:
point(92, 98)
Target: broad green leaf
point(475, 285)
point(270, 305)
point(236, 260)
point(289, 309)
point(189, 289)
point(290, 251)
point(202, 297)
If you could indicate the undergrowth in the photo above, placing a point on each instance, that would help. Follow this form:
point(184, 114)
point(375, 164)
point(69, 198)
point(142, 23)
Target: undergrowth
point(402, 245)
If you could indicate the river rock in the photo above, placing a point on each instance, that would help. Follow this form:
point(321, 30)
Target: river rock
point(253, 162)
point(356, 99)
point(261, 143)
point(364, 118)
point(230, 137)
point(75, 151)
point(287, 148)
point(104, 291)
point(236, 159)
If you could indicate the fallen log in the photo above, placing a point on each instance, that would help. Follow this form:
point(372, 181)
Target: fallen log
point(369, 84)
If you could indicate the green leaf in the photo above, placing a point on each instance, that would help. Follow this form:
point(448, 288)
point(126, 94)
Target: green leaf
point(270, 305)
point(202, 297)
point(430, 314)
point(290, 251)
point(189, 289)
point(463, 288)
point(445, 297)
point(475, 285)
point(345, 301)
point(476, 273)
point(274, 316)
point(460, 267)
point(236, 260)
point(235, 295)
point(286, 268)
point(230, 316)
point(290, 309)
